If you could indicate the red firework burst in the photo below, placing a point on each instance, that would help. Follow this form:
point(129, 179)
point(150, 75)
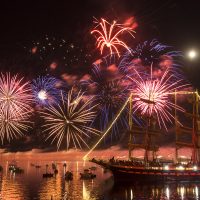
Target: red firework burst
point(108, 36)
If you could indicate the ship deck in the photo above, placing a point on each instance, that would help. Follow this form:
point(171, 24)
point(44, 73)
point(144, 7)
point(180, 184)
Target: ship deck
point(124, 172)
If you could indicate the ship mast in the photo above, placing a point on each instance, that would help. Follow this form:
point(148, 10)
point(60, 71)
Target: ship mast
point(176, 121)
point(147, 141)
point(194, 131)
point(130, 126)
point(194, 118)
point(148, 132)
point(198, 126)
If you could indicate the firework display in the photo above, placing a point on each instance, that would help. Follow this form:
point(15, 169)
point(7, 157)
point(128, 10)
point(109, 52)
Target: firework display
point(69, 121)
point(149, 53)
point(69, 113)
point(99, 100)
point(110, 96)
point(12, 125)
point(46, 90)
point(15, 106)
point(152, 51)
point(110, 91)
point(108, 36)
point(151, 97)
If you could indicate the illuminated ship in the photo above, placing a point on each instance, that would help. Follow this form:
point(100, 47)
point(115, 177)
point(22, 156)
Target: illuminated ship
point(151, 168)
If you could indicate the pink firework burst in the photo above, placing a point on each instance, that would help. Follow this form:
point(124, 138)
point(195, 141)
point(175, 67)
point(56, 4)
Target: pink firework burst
point(151, 97)
point(108, 36)
point(15, 106)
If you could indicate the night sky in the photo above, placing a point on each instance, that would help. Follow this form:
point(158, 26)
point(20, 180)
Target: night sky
point(67, 25)
point(22, 22)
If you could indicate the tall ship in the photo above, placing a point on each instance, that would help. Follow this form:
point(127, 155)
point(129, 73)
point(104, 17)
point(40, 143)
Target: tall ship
point(152, 168)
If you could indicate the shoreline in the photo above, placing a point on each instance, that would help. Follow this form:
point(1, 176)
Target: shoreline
point(77, 155)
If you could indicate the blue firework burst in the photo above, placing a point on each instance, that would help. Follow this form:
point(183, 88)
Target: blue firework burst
point(151, 53)
point(46, 90)
point(111, 96)
point(110, 91)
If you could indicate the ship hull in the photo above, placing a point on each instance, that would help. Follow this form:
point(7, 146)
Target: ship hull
point(129, 174)
point(123, 173)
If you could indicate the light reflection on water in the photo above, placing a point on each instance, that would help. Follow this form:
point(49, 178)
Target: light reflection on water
point(164, 191)
point(31, 185)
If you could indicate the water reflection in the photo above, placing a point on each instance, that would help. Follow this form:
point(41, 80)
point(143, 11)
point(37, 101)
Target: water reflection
point(12, 188)
point(86, 193)
point(31, 185)
point(196, 192)
point(51, 188)
point(167, 192)
point(164, 191)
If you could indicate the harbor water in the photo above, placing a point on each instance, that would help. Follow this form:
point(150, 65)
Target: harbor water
point(31, 185)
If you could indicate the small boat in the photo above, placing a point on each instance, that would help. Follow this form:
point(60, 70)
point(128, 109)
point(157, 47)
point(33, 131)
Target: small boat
point(68, 175)
point(16, 169)
point(47, 175)
point(87, 174)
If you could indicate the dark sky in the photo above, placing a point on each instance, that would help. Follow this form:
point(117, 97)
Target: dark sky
point(175, 22)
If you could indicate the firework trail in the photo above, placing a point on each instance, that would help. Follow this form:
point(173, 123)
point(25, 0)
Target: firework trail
point(108, 36)
point(15, 106)
point(46, 90)
point(151, 97)
point(70, 120)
